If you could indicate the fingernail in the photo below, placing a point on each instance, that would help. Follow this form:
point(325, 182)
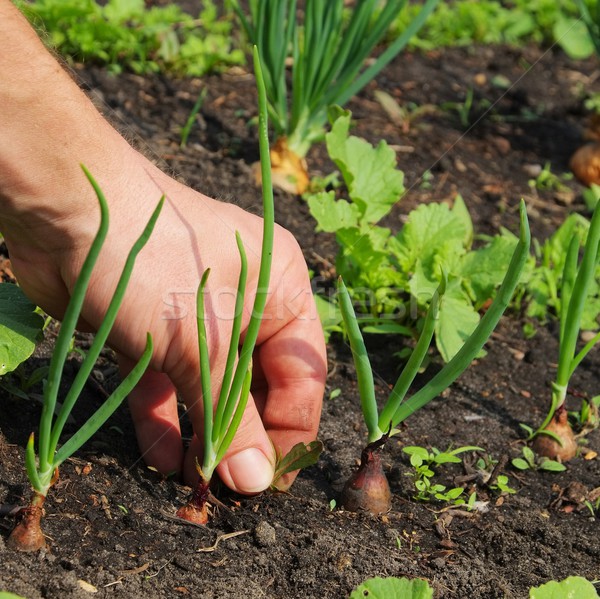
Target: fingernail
point(250, 470)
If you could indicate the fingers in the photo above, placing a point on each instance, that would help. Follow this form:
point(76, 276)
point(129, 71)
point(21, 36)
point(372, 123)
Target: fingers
point(153, 407)
point(294, 368)
point(249, 464)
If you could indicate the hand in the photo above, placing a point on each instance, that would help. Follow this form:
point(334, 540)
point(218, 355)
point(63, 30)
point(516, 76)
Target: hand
point(49, 215)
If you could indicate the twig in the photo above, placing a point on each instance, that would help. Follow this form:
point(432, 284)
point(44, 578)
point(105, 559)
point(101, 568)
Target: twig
point(223, 537)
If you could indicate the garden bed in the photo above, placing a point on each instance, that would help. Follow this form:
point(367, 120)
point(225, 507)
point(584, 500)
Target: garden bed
point(110, 520)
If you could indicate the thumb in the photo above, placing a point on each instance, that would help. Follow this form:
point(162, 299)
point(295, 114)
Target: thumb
point(249, 464)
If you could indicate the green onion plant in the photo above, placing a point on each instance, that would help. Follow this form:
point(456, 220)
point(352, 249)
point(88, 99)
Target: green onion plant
point(328, 53)
point(555, 438)
point(42, 470)
point(220, 427)
point(367, 488)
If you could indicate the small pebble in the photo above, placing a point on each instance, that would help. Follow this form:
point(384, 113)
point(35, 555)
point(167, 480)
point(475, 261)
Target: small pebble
point(264, 534)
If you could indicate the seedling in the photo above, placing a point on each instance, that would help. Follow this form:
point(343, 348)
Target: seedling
point(220, 427)
point(186, 129)
point(423, 463)
point(368, 488)
point(329, 52)
point(555, 438)
point(529, 461)
point(42, 470)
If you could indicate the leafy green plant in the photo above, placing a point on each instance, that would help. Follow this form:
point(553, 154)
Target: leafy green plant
point(127, 35)
point(465, 22)
point(393, 588)
point(186, 129)
point(529, 461)
point(368, 488)
point(540, 291)
point(424, 463)
point(20, 327)
point(573, 586)
point(555, 438)
point(42, 470)
point(547, 180)
point(329, 51)
point(579, 36)
point(220, 428)
point(392, 278)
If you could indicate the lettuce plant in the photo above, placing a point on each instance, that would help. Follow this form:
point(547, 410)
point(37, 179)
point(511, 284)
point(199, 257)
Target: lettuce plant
point(128, 35)
point(42, 470)
point(20, 327)
point(555, 438)
point(220, 427)
point(392, 277)
point(368, 488)
point(329, 51)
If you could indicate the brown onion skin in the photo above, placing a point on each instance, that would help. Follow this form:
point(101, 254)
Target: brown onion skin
point(27, 534)
point(548, 447)
point(368, 488)
point(585, 163)
point(196, 509)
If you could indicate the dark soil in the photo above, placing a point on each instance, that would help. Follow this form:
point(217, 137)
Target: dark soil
point(110, 521)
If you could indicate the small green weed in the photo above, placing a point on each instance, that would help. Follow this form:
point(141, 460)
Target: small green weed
point(423, 463)
point(530, 461)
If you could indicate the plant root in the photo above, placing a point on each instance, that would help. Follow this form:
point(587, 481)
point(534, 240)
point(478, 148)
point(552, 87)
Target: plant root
point(547, 446)
point(196, 509)
point(27, 534)
point(368, 488)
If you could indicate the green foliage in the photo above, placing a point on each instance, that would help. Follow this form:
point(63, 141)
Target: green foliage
point(329, 51)
point(396, 409)
point(302, 455)
point(41, 471)
point(392, 278)
point(393, 588)
point(467, 22)
point(124, 34)
point(573, 586)
point(220, 428)
point(579, 36)
point(529, 461)
point(578, 289)
point(20, 327)
point(424, 462)
point(541, 286)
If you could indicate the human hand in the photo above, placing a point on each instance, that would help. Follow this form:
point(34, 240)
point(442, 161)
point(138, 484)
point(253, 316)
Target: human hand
point(49, 215)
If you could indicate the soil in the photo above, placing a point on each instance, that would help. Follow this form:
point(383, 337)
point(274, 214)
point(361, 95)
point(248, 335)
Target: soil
point(110, 520)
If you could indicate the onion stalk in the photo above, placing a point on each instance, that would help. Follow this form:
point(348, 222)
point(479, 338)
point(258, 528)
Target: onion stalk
point(220, 427)
point(367, 486)
point(42, 470)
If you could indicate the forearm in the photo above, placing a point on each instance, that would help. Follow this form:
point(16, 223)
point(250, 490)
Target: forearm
point(47, 127)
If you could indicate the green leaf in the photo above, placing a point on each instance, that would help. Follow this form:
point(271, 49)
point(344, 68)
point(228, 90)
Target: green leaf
point(393, 588)
point(483, 270)
point(461, 211)
point(329, 314)
point(20, 327)
point(573, 587)
point(374, 183)
point(431, 231)
point(552, 466)
point(573, 37)
point(520, 464)
point(300, 456)
point(456, 321)
point(332, 214)
point(6, 595)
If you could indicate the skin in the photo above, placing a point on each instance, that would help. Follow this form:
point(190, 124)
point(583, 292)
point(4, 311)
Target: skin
point(49, 216)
